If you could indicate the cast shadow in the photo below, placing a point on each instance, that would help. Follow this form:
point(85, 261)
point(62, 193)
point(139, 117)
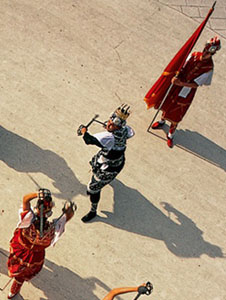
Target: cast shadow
point(3, 260)
point(202, 147)
point(58, 282)
point(24, 156)
point(198, 145)
point(134, 213)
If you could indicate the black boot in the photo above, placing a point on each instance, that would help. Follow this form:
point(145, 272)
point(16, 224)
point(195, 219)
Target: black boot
point(94, 199)
point(91, 214)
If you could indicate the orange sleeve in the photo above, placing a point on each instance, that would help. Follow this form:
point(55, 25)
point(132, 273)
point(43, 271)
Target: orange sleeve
point(26, 200)
point(119, 291)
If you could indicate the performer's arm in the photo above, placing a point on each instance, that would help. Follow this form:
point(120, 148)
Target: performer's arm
point(178, 82)
point(91, 140)
point(69, 210)
point(111, 295)
point(26, 200)
point(104, 140)
point(69, 214)
point(204, 79)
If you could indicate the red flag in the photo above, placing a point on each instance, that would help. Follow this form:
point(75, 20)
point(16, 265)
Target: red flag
point(157, 92)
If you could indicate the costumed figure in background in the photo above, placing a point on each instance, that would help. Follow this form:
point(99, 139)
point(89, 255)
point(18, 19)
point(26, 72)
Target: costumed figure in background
point(33, 234)
point(109, 161)
point(142, 289)
point(197, 71)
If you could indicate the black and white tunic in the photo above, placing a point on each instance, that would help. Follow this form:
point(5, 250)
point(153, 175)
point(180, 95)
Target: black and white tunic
point(109, 161)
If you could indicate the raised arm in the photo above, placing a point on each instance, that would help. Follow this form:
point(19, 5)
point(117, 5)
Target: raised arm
point(111, 295)
point(145, 288)
point(91, 140)
point(69, 210)
point(26, 200)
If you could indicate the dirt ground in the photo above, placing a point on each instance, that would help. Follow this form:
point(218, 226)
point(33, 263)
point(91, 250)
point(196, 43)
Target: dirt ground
point(164, 218)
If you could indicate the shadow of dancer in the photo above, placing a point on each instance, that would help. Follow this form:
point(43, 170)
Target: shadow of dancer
point(24, 156)
point(58, 282)
point(187, 237)
point(134, 213)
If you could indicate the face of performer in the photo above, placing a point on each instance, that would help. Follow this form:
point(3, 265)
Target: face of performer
point(206, 54)
point(111, 126)
point(47, 211)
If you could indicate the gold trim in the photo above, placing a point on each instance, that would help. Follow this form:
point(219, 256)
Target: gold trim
point(21, 262)
point(165, 73)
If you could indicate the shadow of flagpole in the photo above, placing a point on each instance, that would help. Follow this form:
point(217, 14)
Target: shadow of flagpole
point(186, 149)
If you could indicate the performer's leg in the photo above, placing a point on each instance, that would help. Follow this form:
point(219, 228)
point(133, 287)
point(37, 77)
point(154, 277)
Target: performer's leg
point(170, 135)
point(15, 287)
point(94, 199)
point(159, 124)
point(94, 189)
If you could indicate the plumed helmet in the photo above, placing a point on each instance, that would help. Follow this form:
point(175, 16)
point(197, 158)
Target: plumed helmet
point(120, 115)
point(213, 45)
point(45, 198)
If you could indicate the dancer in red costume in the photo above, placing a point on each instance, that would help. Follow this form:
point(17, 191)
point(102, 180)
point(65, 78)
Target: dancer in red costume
point(197, 71)
point(33, 234)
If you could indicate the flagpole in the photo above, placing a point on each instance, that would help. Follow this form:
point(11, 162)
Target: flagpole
point(160, 106)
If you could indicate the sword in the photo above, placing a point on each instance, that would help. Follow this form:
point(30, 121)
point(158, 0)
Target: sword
point(41, 219)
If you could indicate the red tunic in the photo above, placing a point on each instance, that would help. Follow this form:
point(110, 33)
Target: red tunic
point(27, 251)
point(175, 107)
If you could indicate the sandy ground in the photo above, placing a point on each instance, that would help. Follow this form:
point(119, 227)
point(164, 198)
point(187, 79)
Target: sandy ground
point(164, 218)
